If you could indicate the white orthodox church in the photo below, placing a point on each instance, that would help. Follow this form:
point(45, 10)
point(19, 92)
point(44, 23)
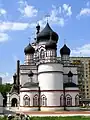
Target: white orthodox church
point(43, 82)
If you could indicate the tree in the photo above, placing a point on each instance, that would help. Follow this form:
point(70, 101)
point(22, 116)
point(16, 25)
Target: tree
point(4, 89)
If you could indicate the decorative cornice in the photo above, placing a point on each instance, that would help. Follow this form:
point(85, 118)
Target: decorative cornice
point(27, 73)
point(50, 72)
point(46, 106)
point(49, 90)
point(73, 74)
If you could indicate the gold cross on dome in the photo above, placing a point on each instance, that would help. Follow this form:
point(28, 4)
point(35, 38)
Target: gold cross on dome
point(47, 17)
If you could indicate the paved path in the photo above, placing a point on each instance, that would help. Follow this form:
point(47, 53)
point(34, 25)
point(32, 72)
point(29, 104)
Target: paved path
point(58, 113)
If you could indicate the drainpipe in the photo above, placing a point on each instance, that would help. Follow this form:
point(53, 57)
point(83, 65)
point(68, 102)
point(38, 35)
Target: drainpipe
point(39, 99)
point(64, 97)
point(18, 73)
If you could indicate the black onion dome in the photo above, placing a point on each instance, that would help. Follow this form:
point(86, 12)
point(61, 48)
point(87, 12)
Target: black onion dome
point(45, 34)
point(65, 50)
point(30, 74)
point(29, 49)
point(50, 45)
point(70, 74)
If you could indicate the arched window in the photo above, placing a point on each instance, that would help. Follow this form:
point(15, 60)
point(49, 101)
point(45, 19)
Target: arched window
point(14, 102)
point(35, 100)
point(62, 100)
point(68, 100)
point(42, 54)
point(43, 100)
point(77, 100)
point(26, 100)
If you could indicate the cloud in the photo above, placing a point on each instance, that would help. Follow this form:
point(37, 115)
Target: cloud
point(3, 37)
point(4, 26)
point(67, 9)
point(84, 11)
point(83, 51)
point(27, 10)
point(6, 77)
point(57, 16)
point(88, 4)
point(2, 11)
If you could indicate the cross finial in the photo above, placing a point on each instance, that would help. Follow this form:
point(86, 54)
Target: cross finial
point(47, 17)
point(64, 41)
point(29, 39)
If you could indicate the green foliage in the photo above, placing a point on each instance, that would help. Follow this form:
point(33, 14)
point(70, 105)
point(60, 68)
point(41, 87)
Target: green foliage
point(55, 118)
point(61, 118)
point(5, 88)
point(3, 118)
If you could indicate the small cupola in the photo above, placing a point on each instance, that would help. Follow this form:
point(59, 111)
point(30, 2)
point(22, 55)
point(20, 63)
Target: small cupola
point(29, 49)
point(65, 50)
point(14, 78)
point(70, 74)
point(38, 28)
point(30, 74)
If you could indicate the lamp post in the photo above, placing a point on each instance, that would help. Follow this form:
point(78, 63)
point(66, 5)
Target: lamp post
point(64, 96)
point(39, 99)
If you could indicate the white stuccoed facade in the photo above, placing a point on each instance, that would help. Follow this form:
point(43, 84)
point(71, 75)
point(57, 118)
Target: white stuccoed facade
point(45, 83)
point(30, 92)
point(50, 76)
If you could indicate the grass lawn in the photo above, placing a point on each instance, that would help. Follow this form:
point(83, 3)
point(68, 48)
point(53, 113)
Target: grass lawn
point(54, 118)
point(61, 118)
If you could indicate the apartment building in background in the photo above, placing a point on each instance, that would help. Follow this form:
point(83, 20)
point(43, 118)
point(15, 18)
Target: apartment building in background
point(83, 64)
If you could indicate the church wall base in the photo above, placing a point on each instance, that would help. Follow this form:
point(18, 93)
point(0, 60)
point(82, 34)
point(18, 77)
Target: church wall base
point(73, 108)
point(27, 109)
point(52, 108)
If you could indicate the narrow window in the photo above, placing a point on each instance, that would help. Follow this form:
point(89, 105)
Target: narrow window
point(43, 100)
point(62, 100)
point(35, 100)
point(68, 100)
point(42, 54)
point(26, 100)
point(77, 100)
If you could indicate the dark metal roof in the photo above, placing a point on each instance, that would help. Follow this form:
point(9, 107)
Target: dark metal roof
point(65, 50)
point(70, 84)
point(14, 89)
point(45, 34)
point(29, 49)
point(70, 74)
point(30, 84)
point(51, 45)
